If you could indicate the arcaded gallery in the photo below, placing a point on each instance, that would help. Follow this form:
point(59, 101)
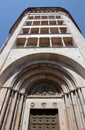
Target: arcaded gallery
point(42, 72)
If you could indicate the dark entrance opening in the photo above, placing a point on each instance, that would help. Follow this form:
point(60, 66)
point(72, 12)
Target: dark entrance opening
point(44, 119)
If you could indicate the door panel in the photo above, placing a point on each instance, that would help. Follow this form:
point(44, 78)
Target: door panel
point(44, 119)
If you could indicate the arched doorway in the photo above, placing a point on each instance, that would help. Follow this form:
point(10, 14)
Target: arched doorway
point(39, 86)
point(44, 86)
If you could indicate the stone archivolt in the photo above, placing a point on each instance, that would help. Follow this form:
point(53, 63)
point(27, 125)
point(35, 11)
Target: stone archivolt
point(56, 77)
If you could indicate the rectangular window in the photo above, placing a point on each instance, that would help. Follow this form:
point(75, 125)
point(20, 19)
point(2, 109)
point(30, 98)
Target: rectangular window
point(25, 30)
point(54, 30)
point(36, 23)
point(58, 17)
point(21, 41)
point(34, 30)
point(30, 17)
point(44, 31)
point(37, 17)
point(44, 22)
point(68, 41)
point(60, 22)
point(56, 42)
point(64, 30)
point(44, 17)
point(28, 23)
point(32, 42)
point(52, 22)
point(51, 17)
point(44, 42)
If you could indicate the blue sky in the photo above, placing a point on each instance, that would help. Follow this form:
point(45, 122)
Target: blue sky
point(11, 9)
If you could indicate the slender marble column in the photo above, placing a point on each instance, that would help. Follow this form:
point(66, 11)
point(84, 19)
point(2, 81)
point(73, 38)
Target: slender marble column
point(11, 111)
point(26, 116)
point(4, 107)
point(80, 110)
point(72, 111)
point(76, 110)
point(2, 96)
point(69, 116)
point(17, 121)
point(82, 102)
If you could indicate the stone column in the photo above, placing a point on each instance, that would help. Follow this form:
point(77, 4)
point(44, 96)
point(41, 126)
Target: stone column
point(69, 114)
point(4, 107)
point(76, 110)
point(80, 110)
point(81, 101)
point(25, 122)
point(83, 93)
point(72, 111)
point(18, 116)
point(2, 96)
point(10, 114)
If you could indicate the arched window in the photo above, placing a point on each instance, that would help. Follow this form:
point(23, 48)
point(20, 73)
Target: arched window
point(43, 88)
